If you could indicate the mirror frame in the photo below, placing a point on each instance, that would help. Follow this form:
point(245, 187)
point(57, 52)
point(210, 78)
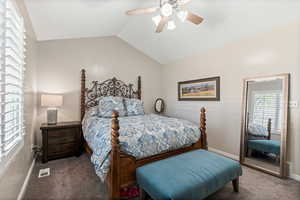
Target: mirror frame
point(286, 87)
point(162, 105)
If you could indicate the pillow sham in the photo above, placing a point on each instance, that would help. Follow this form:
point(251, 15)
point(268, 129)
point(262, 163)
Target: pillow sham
point(92, 112)
point(109, 104)
point(134, 107)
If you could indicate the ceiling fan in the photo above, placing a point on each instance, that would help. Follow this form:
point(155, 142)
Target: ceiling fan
point(167, 9)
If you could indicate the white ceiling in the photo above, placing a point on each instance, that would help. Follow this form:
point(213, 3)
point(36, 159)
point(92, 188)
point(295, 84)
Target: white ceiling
point(225, 20)
point(60, 19)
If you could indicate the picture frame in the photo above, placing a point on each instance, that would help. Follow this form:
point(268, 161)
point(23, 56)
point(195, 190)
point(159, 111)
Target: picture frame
point(206, 89)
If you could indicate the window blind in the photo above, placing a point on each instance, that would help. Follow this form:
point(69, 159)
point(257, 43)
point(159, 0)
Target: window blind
point(267, 105)
point(12, 55)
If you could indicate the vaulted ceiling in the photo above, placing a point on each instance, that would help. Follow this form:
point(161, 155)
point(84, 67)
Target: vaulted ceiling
point(225, 20)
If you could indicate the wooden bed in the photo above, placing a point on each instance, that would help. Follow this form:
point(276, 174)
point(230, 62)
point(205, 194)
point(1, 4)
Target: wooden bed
point(122, 168)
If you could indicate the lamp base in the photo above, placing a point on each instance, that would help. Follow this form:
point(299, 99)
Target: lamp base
point(51, 116)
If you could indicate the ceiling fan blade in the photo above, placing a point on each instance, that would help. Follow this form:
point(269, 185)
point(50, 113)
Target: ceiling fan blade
point(194, 18)
point(142, 11)
point(161, 24)
point(183, 2)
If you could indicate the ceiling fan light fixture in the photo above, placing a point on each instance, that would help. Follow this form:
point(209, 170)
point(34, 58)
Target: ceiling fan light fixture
point(182, 15)
point(167, 10)
point(156, 19)
point(171, 25)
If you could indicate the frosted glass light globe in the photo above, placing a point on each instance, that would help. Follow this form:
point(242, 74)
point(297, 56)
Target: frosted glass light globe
point(182, 15)
point(171, 25)
point(167, 10)
point(156, 20)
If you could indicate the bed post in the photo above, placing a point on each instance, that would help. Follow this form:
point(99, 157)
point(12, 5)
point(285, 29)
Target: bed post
point(203, 128)
point(269, 128)
point(82, 94)
point(139, 88)
point(114, 179)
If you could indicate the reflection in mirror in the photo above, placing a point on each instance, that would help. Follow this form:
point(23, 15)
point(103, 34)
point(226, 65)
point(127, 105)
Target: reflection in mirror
point(264, 123)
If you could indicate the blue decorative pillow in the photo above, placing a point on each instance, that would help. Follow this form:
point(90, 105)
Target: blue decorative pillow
point(109, 104)
point(134, 107)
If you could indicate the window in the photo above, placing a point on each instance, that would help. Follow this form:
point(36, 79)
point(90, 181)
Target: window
point(12, 50)
point(267, 105)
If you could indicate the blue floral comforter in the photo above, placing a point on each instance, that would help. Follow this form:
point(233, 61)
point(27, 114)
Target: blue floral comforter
point(140, 136)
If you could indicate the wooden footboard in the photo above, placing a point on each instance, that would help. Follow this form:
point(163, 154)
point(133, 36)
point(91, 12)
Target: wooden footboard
point(123, 166)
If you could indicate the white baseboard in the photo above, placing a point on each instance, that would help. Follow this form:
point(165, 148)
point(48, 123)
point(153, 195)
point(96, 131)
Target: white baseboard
point(296, 177)
point(24, 186)
point(229, 155)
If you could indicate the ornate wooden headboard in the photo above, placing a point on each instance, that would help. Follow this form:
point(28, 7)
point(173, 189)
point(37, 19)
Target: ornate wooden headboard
point(110, 87)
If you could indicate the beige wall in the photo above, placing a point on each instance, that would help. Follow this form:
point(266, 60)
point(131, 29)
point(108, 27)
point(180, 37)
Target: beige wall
point(60, 62)
point(14, 175)
point(274, 52)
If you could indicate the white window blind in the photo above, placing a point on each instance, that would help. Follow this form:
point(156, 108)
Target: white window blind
point(12, 55)
point(267, 105)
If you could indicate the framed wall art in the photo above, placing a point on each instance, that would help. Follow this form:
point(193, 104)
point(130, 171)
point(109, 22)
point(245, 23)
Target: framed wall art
point(207, 89)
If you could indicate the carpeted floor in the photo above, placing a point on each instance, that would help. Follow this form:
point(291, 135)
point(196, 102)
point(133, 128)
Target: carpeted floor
point(74, 178)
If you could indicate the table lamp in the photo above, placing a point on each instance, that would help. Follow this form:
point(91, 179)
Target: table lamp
point(52, 102)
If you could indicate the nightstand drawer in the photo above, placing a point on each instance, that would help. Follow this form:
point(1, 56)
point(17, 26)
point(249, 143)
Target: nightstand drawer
point(61, 148)
point(61, 140)
point(62, 136)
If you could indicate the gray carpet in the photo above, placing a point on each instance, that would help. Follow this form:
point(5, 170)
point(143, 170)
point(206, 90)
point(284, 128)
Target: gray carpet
point(74, 178)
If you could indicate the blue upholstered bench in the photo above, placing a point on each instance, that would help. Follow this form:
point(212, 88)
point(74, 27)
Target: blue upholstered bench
point(267, 146)
point(192, 175)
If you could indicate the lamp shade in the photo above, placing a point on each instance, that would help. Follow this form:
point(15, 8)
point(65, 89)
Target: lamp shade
point(51, 100)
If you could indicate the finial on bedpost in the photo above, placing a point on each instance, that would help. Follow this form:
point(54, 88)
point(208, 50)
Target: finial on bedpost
point(269, 128)
point(115, 158)
point(139, 88)
point(203, 128)
point(82, 94)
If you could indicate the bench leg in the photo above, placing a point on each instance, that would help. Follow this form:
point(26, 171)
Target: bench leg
point(278, 159)
point(142, 194)
point(249, 152)
point(235, 184)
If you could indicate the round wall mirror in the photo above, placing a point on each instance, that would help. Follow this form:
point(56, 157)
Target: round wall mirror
point(159, 105)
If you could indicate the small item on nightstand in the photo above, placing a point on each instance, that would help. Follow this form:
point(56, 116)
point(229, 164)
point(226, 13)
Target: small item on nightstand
point(61, 140)
point(52, 102)
point(159, 106)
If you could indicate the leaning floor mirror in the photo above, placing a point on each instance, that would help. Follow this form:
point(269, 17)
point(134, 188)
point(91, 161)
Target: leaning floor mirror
point(264, 123)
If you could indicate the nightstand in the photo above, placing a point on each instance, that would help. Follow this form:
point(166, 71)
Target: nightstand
point(61, 140)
